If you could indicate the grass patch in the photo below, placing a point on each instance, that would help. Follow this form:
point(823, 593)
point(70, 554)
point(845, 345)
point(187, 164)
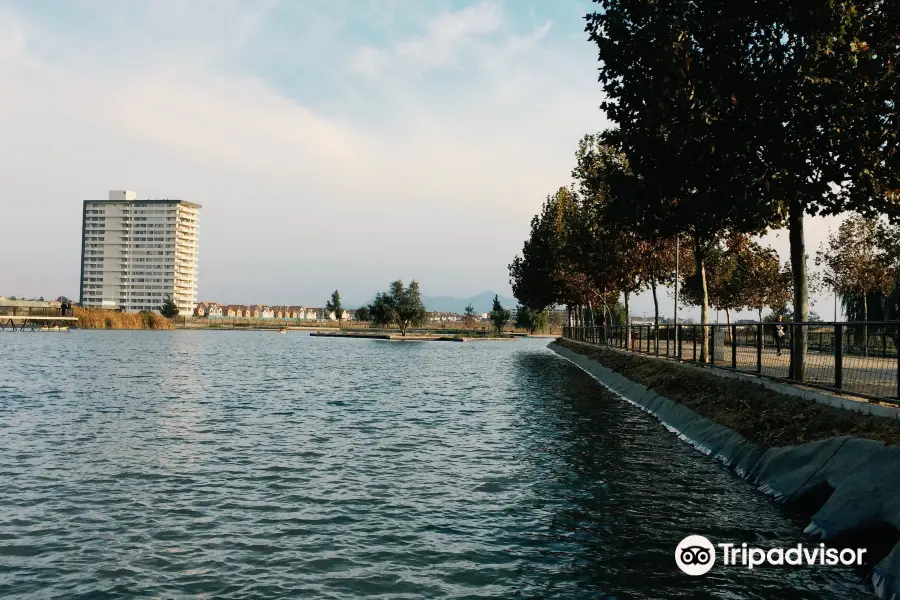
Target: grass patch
point(761, 415)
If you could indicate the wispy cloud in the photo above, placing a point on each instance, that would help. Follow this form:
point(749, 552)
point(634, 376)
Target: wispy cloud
point(450, 40)
point(316, 168)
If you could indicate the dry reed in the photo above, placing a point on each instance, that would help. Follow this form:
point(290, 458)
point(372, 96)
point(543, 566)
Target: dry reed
point(98, 318)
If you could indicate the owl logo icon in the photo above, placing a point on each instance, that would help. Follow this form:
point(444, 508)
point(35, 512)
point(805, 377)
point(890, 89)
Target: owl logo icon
point(695, 555)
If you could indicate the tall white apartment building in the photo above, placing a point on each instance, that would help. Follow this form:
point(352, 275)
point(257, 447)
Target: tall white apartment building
point(135, 253)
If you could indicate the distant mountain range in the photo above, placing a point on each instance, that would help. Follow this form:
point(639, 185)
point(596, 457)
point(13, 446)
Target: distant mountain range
point(482, 303)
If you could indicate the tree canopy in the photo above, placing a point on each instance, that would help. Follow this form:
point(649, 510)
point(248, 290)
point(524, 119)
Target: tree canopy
point(728, 119)
point(499, 316)
point(399, 306)
point(530, 319)
point(334, 306)
point(168, 309)
point(858, 260)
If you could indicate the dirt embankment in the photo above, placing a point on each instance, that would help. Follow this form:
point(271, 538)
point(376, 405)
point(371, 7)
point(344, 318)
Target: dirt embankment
point(760, 415)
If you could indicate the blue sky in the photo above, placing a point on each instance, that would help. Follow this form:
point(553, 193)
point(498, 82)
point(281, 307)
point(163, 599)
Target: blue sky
point(332, 144)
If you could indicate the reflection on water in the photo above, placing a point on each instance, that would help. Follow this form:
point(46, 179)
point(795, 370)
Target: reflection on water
point(256, 465)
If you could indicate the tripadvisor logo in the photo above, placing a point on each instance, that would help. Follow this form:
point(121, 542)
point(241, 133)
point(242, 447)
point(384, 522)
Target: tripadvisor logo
point(695, 555)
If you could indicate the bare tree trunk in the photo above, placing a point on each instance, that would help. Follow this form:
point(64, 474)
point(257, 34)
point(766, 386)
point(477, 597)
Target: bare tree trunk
point(728, 321)
point(607, 319)
point(760, 313)
point(700, 265)
point(801, 293)
point(627, 320)
point(655, 302)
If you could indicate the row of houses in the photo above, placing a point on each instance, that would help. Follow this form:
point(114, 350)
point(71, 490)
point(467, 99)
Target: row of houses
point(214, 310)
point(443, 317)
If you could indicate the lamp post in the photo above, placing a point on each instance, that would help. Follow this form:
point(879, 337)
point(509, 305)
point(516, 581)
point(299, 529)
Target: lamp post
point(677, 238)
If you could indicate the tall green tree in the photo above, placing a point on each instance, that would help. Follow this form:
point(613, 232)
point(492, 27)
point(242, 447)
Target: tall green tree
point(469, 316)
point(399, 306)
point(168, 309)
point(747, 114)
point(382, 311)
point(764, 281)
point(608, 246)
point(607, 186)
point(823, 119)
point(855, 264)
point(334, 306)
point(531, 320)
point(363, 313)
point(524, 317)
point(541, 321)
point(555, 319)
point(499, 316)
point(686, 173)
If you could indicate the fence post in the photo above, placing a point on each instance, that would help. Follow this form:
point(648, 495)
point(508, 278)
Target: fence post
point(759, 347)
point(694, 335)
point(667, 340)
point(793, 330)
point(734, 347)
point(838, 355)
point(712, 345)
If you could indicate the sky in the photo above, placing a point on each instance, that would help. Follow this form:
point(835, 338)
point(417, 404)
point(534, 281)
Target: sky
point(333, 144)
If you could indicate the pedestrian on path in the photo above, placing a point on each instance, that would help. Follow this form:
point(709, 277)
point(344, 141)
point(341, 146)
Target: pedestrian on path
point(779, 336)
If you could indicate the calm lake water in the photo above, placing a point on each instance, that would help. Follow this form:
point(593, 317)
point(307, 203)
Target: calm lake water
point(257, 465)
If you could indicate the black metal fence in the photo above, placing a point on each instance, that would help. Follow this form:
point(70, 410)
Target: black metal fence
point(855, 358)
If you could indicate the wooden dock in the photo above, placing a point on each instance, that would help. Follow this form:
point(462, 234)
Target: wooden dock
point(36, 322)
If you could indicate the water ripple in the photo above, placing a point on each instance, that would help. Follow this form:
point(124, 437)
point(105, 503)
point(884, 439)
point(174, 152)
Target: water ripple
point(254, 465)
